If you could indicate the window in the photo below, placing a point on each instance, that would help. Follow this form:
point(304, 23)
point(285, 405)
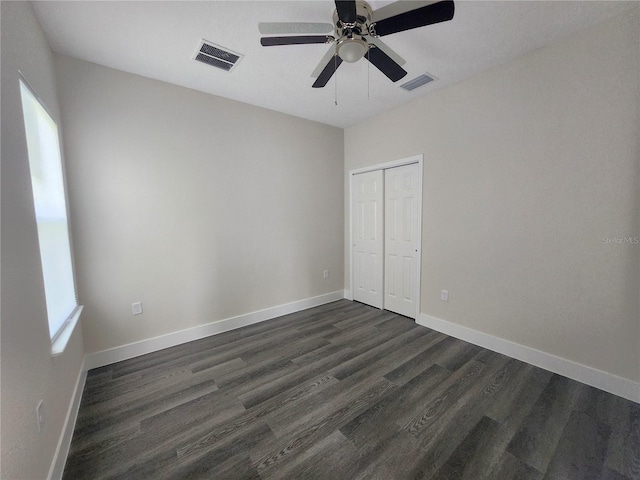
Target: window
point(50, 204)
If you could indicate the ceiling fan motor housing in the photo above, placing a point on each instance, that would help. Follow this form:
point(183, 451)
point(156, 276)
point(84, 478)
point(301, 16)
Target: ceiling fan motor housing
point(352, 45)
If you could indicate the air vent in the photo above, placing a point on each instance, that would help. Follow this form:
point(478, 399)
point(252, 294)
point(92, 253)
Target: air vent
point(217, 56)
point(417, 82)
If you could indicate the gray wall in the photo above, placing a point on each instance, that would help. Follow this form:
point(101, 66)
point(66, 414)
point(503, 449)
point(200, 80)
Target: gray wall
point(29, 373)
point(527, 167)
point(200, 207)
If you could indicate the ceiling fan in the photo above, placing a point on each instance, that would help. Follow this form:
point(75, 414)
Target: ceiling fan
point(356, 30)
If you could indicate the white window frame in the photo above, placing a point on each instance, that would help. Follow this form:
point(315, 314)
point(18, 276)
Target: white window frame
point(62, 333)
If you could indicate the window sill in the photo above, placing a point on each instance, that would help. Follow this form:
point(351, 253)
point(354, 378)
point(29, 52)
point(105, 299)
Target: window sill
point(61, 341)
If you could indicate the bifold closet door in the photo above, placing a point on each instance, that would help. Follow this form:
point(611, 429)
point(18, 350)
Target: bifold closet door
point(367, 232)
point(401, 223)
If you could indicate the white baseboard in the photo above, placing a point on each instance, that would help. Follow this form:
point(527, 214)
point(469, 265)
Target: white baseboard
point(348, 295)
point(131, 350)
point(591, 376)
point(64, 444)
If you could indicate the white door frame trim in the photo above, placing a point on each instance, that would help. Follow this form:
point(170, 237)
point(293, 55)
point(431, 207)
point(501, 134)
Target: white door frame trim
point(417, 159)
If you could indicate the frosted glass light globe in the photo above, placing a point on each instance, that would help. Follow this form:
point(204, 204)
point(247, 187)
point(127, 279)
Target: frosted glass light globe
point(352, 49)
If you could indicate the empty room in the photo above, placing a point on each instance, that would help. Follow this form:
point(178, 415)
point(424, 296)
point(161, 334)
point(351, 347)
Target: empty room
point(320, 239)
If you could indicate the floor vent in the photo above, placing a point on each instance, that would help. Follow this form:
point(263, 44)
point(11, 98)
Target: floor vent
point(417, 82)
point(217, 56)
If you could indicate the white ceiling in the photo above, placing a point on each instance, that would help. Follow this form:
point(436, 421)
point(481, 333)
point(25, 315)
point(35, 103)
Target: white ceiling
point(158, 39)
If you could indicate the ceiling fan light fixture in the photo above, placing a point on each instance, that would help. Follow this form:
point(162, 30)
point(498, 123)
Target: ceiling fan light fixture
point(356, 32)
point(352, 49)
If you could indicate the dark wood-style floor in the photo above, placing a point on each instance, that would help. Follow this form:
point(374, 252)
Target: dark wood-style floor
point(345, 391)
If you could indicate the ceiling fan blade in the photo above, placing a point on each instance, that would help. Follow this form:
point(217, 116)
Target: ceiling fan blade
point(295, 40)
point(385, 48)
point(322, 63)
point(385, 64)
point(274, 28)
point(346, 10)
point(327, 72)
point(398, 7)
point(419, 17)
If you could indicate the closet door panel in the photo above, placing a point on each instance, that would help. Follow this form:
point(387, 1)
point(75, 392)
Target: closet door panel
point(367, 230)
point(401, 187)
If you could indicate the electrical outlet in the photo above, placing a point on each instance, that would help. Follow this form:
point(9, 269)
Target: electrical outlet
point(40, 415)
point(136, 308)
point(444, 295)
point(326, 274)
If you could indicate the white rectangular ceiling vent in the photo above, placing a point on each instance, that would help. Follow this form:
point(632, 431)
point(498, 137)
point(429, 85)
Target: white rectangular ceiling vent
point(417, 82)
point(217, 56)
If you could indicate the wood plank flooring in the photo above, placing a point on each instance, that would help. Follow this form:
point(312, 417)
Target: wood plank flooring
point(346, 391)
